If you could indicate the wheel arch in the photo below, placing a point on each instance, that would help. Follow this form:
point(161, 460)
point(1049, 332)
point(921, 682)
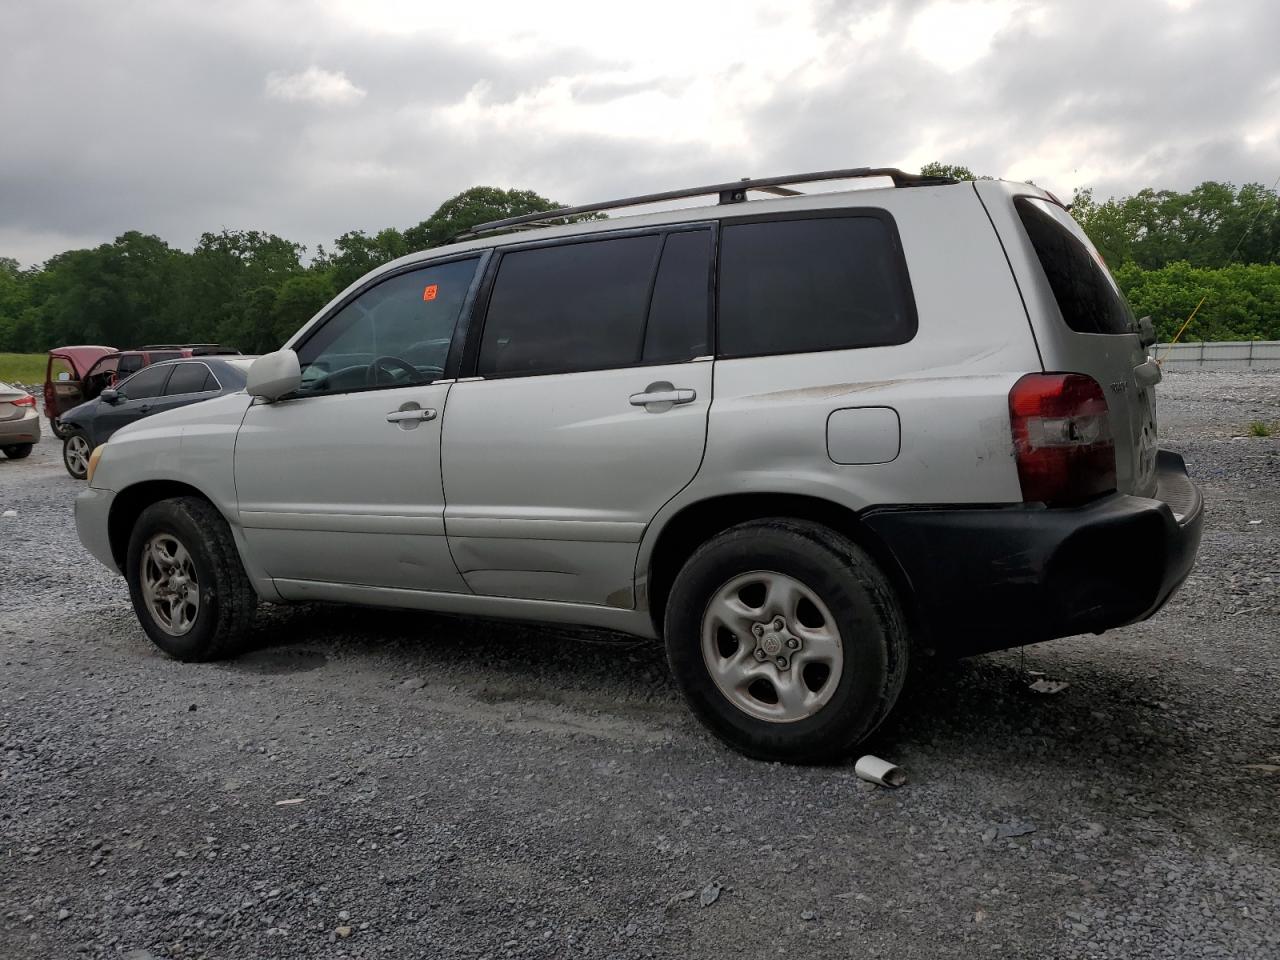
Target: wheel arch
point(694, 524)
point(129, 503)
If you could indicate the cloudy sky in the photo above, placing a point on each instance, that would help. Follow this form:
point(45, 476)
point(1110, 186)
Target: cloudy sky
point(307, 119)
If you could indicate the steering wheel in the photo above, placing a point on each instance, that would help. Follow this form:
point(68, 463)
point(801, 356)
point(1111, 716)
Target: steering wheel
point(385, 365)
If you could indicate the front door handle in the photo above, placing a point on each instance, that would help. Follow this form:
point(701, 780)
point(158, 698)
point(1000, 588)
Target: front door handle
point(410, 415)
point(662, 396)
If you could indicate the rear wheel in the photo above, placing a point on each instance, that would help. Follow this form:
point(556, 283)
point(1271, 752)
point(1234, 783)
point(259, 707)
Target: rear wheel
point(186, 581)
point(787, 640)
point(17, 451)
point(75, 454)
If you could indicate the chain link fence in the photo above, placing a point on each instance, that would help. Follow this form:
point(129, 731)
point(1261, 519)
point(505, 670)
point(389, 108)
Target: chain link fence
point(1220, 355)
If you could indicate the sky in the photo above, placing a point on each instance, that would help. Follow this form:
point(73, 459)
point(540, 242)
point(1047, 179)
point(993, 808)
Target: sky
point(309, 118)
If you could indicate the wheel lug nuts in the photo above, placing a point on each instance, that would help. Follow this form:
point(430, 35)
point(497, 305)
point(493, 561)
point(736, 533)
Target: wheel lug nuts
point(757, 629)
point(782, 662)
point(779, 623)
point(760, 654)
point(792, 643)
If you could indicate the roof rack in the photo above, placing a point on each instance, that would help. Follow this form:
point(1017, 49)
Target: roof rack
point(732, 192)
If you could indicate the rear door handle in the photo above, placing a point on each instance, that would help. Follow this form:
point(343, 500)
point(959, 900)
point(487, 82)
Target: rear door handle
point(663, 394)
point(413, 415)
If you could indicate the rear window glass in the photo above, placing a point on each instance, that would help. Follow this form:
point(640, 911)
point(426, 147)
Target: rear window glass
point(1085, 292)
point(567, 308)
point(797, 286)
point(187, 378)
point(679, 312)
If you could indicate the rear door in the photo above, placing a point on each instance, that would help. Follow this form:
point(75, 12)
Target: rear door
point(587, 413)
point(1082, 322)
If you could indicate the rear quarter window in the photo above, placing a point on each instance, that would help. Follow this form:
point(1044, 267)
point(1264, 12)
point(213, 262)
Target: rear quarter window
point(1086, 294)
point(819, 283)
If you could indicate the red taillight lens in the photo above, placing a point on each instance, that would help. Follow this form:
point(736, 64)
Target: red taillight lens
point(1061, 437)
point(27, 401)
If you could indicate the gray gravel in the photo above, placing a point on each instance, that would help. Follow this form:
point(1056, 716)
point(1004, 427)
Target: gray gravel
point(489, 790)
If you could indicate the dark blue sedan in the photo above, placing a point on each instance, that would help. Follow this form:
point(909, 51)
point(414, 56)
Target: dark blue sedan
point(159, 387)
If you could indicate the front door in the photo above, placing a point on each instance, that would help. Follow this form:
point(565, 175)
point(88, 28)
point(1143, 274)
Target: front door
point(591, 413)
point(139, 396)
point(340, 483)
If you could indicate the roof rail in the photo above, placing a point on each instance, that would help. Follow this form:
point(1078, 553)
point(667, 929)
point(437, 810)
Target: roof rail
point(733, 192)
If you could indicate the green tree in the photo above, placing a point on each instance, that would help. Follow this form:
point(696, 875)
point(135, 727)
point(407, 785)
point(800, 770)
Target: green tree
point(470, 208)
point(953, 170)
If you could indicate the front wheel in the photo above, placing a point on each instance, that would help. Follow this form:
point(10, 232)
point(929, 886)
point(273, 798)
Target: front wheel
point(186, 581)
point(75, 454)
point(787, 640)
point(17, 451)
point(58, 429)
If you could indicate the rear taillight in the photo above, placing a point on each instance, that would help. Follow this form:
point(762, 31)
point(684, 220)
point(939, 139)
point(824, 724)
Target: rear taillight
point(1061, 437)
point(27, 401)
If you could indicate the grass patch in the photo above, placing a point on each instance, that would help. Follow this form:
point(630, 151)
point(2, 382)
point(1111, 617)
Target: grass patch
point(26, 368)
point(1259, 429)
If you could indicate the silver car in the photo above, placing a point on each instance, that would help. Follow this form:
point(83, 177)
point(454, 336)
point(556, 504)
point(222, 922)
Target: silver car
point(19, 422)
point(800, 438)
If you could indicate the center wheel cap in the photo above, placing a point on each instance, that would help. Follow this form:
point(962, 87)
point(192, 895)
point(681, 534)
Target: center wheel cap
point(772, 644)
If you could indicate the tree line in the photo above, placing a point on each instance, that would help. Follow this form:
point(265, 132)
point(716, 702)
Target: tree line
point(252, 290)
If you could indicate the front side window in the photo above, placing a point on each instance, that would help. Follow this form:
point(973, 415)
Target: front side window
point(189, 378)
point(394, 334)
point(148, 383)
point(1085, 292)
point(822, 283)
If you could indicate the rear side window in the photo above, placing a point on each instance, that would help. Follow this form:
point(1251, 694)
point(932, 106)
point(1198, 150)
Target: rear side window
point(825, 283)
point(679, 313)
point(567, 308)
point(130, 363)
point(188, 378)
point(148, 383)
point(1086, 294)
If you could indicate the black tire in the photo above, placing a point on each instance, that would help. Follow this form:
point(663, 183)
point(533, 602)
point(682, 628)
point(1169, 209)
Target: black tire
point(18, 451)
point(69, 461)
point(59, 430)
point(866, 610)
point(227, 599)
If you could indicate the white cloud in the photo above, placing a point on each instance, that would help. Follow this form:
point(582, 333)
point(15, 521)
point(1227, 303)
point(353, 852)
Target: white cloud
point(955, 34)
point(313, 85)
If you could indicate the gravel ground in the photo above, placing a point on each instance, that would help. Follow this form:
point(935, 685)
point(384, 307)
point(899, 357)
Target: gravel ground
point(474, 789)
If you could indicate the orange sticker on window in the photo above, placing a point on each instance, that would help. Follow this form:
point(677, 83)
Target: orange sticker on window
point(429, 291)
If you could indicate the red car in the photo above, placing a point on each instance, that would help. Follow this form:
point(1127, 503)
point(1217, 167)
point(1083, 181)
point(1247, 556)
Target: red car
point(77, 374)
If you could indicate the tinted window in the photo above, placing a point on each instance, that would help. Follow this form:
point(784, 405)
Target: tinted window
point(161, 355)
point(405, 323)
point(148, 383)
point(679, 310)
point(187, 378)
point(1089, 299)
point(577, 306)
point(828, 283)
point(130, 363)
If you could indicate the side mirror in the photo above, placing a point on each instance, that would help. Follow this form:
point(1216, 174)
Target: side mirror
point(109, 396)
point(273, 375)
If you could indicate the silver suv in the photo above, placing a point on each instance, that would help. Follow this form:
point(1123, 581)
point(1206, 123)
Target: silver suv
point(801, 438)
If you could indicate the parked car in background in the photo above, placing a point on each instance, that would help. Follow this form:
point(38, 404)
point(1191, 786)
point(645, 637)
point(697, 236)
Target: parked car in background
point(802, 439)
point(161, 386)
point(19, 422)
point(77, 374)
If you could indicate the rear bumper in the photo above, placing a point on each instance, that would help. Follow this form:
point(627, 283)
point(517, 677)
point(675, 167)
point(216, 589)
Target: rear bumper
point(24, 429)
point(990, 578)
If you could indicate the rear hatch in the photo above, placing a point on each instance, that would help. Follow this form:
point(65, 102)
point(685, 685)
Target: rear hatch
point(1083, 324)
